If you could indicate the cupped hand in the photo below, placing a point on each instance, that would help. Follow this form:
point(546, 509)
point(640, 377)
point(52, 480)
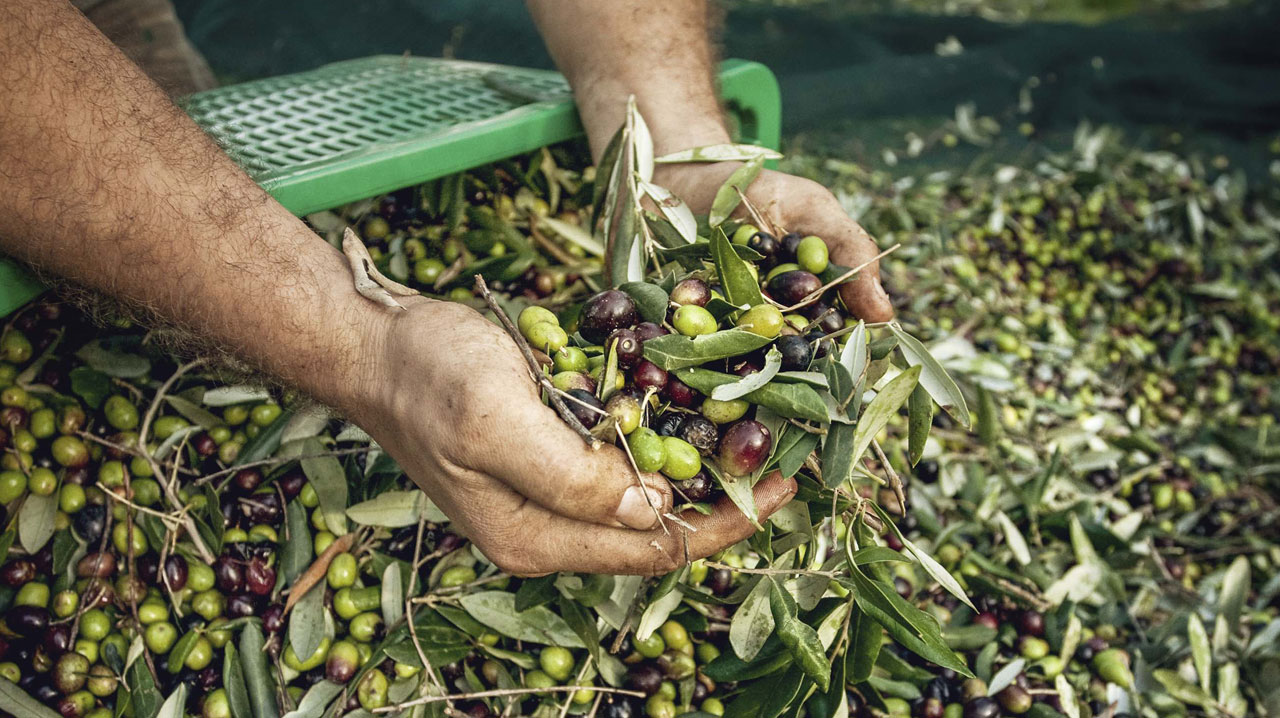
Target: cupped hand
point(797, 205)
point(453, 402)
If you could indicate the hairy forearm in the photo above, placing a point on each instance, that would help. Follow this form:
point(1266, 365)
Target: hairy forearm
point(657, 50)
point(104, 182)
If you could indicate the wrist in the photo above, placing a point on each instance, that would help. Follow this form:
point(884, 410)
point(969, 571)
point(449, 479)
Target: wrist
point(676, 120)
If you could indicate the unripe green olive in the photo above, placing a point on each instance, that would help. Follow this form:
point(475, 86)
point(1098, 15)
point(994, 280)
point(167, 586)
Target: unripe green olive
point(201, 654)
point(763, 319)
point(315, 659)
point(713, 706)
point(556, 662)
point(42, 481)
point(150, 612)
point(350, 602)
point(263, 415)
point(120, 413)
point(547, 337)
point(457, 576)
point(675, 635)
point(322, 541)
point(343, 570)
point(199, 576)
point(682, 461)
point(365, 626)
point(139, 466)
point(532, 315)
point(160, 637)
point(146, 492)
point(166, 426)
point(812, 255)
point(625, 410)
point(216, 705)
point(65, 603)
point(724, 412)
point(427, 271)
point(707, 652)
point(123, 534)
point(13, 484)
point(94, 624)
point(647, 448)
point(217, 632)
point(102, 681)
point(658, 706)
point(88, 649)
point(372, 691)
point(32, 593)
point(15, 347)
point(570, 359)
point(208, 604)
point(43, 423)
point(71, 498)
point(538, 679)
point(70, 672)
point(76, 705)
point(744, 233)
point(651, 647)
point(10, 671)
point(692, 320)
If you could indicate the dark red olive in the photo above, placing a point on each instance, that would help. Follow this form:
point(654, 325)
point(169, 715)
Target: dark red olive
point(44, 558)
point(627, 346)
point(17, 572)
point(681, 394)
point(27, 620)
point(228, 574)
point(148, 568)
point(691, 291)
point(273, 618)
point(766, 244)
point(931, 708)
point(648, 375)
point(720, 581)
point(478, 710)
point(645, 677)
point(259, 578)
point(796, 352)
point(616, 707)
point(697, 489)
point(791, 287)
point(982, 708)
point(175, 572)
point(265, 508)
point(604, 313)
point(648, 330)
point(584, 399)
point(247, 480)
point(291, 484)
point(241, 605)
point(209, 678)
point(12, 417)
point(746, 365)
point(204, 444)
point(72, 420)
point(744, 447)
point(1030, 623)
point(449, 542)
point(787, 245)
point(98, 565)
point(701, 433)
point(57, 639)
point(990, 620)
point(116, 450)
point(829, 318)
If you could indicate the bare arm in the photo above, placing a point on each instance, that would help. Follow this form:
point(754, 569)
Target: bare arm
point(660, 51)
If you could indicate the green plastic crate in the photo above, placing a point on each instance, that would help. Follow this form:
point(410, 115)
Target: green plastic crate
point(360, 128)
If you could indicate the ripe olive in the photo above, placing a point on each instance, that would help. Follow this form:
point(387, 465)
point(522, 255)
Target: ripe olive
point(1030, 623)
point(229, 574)
point(692, 320)
point(571, 380)
point(792, 287)
point(764, 243)
point(17, 572)
point(744, 447)
point(646, 375)
point(259, 578)
point(648, 330)
point(644, 677)
point(587, 408)
point(627, 346)
point(342, 662)
point(982, 708)
point(669, 424)
point(680, 393)
point(605, 312)
point(796, 352)
point(691, 291)
point(700, 432)
point(762, 319)
point(683, 461)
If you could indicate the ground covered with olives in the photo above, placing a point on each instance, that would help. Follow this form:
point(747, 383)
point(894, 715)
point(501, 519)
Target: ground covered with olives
point(1102, 541)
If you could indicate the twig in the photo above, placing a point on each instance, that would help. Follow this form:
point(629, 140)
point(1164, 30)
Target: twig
point(761, 221)
point(496, 693)
point(774, 571)
point(895, 481)
point(534, 368)
point(622, 441)
point(316, 570)
point(408, 615)
point(554, 250)
point(281, 460)
point(188, 523)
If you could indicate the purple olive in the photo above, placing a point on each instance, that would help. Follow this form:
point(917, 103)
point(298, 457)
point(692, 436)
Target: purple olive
point(744, 447)
point(691, 291)
point(604, 313)
point(791, 287)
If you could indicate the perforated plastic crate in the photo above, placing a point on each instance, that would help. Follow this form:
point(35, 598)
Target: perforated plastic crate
point(359, 128)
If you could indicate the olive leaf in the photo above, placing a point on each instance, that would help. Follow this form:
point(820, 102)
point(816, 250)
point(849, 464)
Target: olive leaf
point(231, 395)
point(931, 567)
point(390, 509)
point(883, 408)
point(257, 676)
point(174, 705)
point(752, 623)
point(751, 382)
point(573, 234)
point(306, 623)
point(1235, 587)
point(908, 625)
point(1004, 678)
point(838, 460)
point(854, 354)
point(35, 521)
point(392, 595)
point(193, 412)
point(934, 378)
point(919, 421)
point(674, 209)
point(181, 649)
point(22, 705)
point(790, 456)
point(295, 545)
point(738, 489)
point(1014, 539)
point(798, 637)
point(330, 482)
point(1201, 655)
point(91, 385)
point(676, 351)
point(497, 610)
point(864, 646)
point(117, 364)
point(657, 612)
point(727, 152)
point(537, 591)
point(651, 300)
point(741, 286)
point(796, 401)
point(267, 441)
point(729, 196)
point(316, 700)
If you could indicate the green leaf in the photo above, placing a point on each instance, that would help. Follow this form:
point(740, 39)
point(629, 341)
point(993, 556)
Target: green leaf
point(392, 595)
point(266, 442)
point(674, 209)
point(497, 610)
point(676, 351)
point(883, 408)
point(730, 193)
point(752, 623)
point(931, 567)
point(174, 705)
point(535, 592)
point(934, 379)
point(720, 153)
point(306, 623)
point(908, 625)
point(233, 682)
point(330, 482)
point(838, 461)
point(798, 637)
point(609, 381)
point(178, 654)
point(789, 457)
point(389, 509)
point(315, 700)
point(751, 382)
point(738, 489)
point(6, 542)
point(1200, 653)
point(876, 554)
point(796, 401)
point(854, 354)
point(651, 301)
point(864, 646)
point(295, 545)
point(1014, 539)
point(741, 287)
point(120, 365)
point(193, 412)
point(257, 676)
point(91, 385)
point(1180, 688)
point(770, 658)
point(605, 171)
point(839, 382)
point(657, 612)
point(231, 395)
point(35, 521)
point(919, 421)
point(142, 691)
point(1235, 588)
point(16, 701)
point(1005, 677)
point(969, 638)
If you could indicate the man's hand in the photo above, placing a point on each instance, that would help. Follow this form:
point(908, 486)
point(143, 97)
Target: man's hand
point(453, 402)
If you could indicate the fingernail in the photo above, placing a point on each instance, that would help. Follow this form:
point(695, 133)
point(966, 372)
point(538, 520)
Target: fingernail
point(636, 511)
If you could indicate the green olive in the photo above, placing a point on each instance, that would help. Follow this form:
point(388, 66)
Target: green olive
point(200, 576)
point(712, 706)
point(812, 255)
point(556, 662)
point(312, 661)
point(532, 315)
point(71, 498)
point(372, 691)
point(121, 534)
point(86, 648)
point(547, 337)
point(43, 423)
point(120, 413)
point(208, 604)
point(763, 319)
point(460, 294)
point(139, 467)
point(647, 449)
point(13, 484)
point(160, 637)
point(707, 652)
point(10, 671)
point(675, 635)
point(65, 603)
point(322, 541)
point(216, 705)
point(427, 271)
point(349, 602)
point(308, 496)
point(15, 347)
point(659, 707)
point(365, 626)
point(570, 359)
point(651, 647)
point(32, 593)
point(625, 410)
point(217, 632)
point(201, 654)
point(692, 320)
point(683, 461)
point(263, 415)
point(153, 612)
point(376, 227)
point(228, 452)
point(744, 233)
point(94, 624)
point(24, 441)
point(538, 679)
point(457, 576)
point(343, 570)
point(724, 412)
point(235, 415)
point(14, 396)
